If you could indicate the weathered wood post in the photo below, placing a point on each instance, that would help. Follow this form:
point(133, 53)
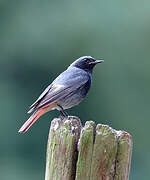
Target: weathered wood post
point(88, 153)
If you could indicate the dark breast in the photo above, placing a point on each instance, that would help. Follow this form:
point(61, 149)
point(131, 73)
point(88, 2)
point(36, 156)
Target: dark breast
point(85, 88)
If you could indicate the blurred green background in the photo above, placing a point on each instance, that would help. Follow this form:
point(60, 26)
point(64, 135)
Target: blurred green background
point(39, 39)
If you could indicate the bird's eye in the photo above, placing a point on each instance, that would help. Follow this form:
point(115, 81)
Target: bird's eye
point(88, 60)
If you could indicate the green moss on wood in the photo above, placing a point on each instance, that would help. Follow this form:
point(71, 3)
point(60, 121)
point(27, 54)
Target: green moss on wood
point(104, 153)
point(123, 159)
point(62, 149)
point(83, 168)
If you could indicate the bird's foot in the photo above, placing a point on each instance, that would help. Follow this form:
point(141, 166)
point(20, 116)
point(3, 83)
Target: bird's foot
point(63, 113)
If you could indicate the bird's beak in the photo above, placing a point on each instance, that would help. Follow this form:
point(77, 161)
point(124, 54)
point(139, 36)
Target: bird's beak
point(96, 62)
point(99, 61)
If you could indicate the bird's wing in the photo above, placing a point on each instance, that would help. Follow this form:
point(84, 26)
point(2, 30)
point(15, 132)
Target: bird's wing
point(41, 96)
point(62, 86)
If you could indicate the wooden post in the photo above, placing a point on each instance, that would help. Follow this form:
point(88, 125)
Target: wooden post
point(88, 153)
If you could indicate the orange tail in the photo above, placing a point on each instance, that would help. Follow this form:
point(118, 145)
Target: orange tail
point(32, 120)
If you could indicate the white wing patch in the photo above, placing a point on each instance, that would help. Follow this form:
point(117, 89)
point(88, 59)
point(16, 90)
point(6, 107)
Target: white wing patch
point(57, 87)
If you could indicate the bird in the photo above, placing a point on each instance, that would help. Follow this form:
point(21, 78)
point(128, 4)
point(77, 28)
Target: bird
point(66, 91)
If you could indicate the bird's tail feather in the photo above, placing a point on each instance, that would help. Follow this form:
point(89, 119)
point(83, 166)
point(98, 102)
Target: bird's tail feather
point(31, 120)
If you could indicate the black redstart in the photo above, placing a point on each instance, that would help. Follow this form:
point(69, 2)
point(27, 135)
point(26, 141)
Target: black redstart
point(66, 91)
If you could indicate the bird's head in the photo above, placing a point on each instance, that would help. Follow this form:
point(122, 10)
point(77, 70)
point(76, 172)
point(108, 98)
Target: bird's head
point(86, 63)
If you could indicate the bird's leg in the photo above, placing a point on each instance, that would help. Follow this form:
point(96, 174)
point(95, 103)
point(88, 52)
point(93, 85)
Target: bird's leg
point(62, 111)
